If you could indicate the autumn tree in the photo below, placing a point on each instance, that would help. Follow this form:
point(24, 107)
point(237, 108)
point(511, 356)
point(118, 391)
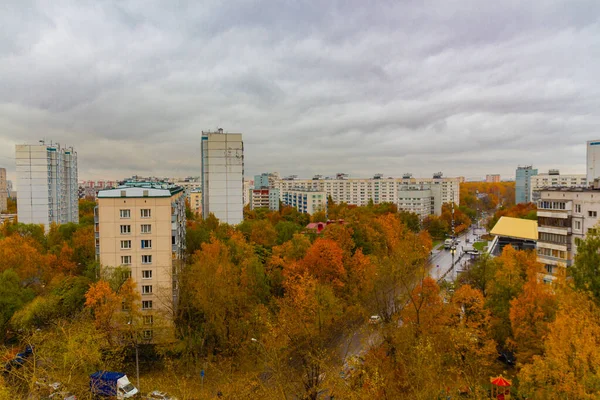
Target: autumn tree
point(570, 365)
point(530, 314)
point(586, 269)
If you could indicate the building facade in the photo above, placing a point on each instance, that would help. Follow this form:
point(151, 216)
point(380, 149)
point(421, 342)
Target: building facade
point(492, 178)
point(3, 190)
point(593, 160)
point(564, 214)
point(196, 201)
point(306, 201)
point(377, 189)
point(47, 181)
point(142, 227)
point(223, 176)
point(554, 179)
point(423, 200)
point(523, 183)
point(264, 198)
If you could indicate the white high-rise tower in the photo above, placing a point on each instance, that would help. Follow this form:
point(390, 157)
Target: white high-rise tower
point(47, 184)
point(223, 176)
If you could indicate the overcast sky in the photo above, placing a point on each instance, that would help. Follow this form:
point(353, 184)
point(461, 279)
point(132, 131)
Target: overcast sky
point(465, 87)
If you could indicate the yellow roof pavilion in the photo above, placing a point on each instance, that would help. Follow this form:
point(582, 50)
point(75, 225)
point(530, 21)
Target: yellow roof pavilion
point(516, 228)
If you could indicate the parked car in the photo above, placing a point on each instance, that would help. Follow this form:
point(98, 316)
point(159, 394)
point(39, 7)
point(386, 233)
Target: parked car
point(507, 357)
point(375, 319)
point(156, 395)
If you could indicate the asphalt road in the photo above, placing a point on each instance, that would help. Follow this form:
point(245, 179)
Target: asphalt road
point(441, 259)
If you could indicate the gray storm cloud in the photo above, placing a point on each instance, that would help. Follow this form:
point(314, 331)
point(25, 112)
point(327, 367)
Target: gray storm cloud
point(467, 87)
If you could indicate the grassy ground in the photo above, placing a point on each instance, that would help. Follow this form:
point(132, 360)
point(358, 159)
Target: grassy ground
point(436, 242)
point(480, 245)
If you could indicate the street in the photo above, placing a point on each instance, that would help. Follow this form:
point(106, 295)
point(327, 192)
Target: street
point(441, 259)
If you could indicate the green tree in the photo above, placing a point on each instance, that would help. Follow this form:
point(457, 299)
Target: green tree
point(586, 269)
point(12, 297)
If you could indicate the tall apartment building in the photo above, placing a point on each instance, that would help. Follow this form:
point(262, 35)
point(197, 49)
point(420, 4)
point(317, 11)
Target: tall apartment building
point(492, 178)
point(3, 190)
point(306, 201)
point(564, 214)
point(47, 182)
point(593, 160)
point(554, 179)
point(422, 200)
point(359, 192)
point(523, 183)
point(142, 226)
point(223, 176)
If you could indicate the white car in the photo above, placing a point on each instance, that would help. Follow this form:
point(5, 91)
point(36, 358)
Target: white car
point(374, 320)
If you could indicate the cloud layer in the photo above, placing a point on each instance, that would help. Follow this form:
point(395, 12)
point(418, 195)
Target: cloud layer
point(465, 87)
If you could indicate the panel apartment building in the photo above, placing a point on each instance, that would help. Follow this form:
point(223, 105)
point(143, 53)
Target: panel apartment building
point(554, 179)
point(358, 191)
point(564, 214)
point(3, 190)
point(223, 176)
point(142, 227)
point(523, 176)
point(47, 183)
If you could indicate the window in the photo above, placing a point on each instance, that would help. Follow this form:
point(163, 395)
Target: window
point(125, 229)
point(146, 259)
point(578, 208)
point(125, 260)
point(146, 244)
point(145, 213)
point(147, 289)
point(147, 305)
point(125, 213)
point(592, 214)
point(125, 244)
point(577, 224)
point(147, 274)
point(146, 228)
point(148, 319)
point(126, 275)
point(148, 334)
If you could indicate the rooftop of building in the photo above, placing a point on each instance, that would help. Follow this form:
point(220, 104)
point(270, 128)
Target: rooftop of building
point(141, 189)
point(517, 228)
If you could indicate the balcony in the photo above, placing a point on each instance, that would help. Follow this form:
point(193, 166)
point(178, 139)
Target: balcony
point(558, 230)
point(562, 214)
point(553, 245)
point(549, 260)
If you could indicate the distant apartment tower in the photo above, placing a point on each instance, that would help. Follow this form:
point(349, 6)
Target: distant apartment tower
point(223, 176)
point(423, 200)
point(564, 215)
point(492, 178)
point(554, 179)
point(306, 201)
point(3, 190)
point(264, 198)
point(47, 182)
point(196, 201)
point(523, 183)
point(593, 161)
point(141, 226)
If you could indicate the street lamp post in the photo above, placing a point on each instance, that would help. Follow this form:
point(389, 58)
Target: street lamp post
point(254, 340)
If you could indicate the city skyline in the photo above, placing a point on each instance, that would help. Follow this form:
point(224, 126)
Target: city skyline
point(316, 88)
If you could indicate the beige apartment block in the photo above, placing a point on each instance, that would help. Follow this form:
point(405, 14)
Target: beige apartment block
point(492, 178)
point(196, 201)
point(564, 215)
point(3, 190)
point(142, 227)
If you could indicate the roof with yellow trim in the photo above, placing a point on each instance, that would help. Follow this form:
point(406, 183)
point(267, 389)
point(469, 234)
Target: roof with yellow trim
point(516, 228)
